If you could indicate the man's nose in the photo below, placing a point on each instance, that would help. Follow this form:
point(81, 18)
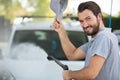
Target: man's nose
point(85, 24)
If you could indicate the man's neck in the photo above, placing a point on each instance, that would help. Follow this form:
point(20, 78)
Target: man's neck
point(101, 27)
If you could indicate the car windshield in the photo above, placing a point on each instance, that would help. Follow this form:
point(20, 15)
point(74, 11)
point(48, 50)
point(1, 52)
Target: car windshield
point(47, 40)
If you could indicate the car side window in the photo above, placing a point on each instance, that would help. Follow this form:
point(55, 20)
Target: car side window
point(46, 40)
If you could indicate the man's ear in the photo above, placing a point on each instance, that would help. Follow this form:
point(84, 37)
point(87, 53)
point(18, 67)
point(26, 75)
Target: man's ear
point(100, 16)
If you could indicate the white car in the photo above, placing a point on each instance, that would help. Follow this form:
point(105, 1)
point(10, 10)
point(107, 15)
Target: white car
point(32, 42)
point(117, 33)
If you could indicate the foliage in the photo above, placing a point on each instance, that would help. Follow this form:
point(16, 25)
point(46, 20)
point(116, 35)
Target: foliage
point(12, 8)
point(4, 6)
point(9, 7)
point(115, 22)
point(41, 7)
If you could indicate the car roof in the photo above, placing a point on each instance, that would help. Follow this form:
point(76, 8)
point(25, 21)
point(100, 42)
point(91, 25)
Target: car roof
point(47, 25)
point(116, 31)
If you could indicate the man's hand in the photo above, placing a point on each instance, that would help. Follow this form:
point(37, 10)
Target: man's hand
point(66, 75)
point(57, 26)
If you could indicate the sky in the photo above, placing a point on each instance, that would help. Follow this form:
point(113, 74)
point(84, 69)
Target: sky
point(104, 4)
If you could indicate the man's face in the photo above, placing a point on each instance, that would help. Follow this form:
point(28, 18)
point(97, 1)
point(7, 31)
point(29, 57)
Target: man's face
point(89, 22)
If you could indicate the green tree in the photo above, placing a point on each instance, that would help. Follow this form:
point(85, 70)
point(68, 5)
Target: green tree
point(4, 6)
point(9, 7)
point(115, 22)
point(42, 7)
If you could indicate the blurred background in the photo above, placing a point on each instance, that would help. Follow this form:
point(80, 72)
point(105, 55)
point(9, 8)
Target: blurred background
point(12, 10)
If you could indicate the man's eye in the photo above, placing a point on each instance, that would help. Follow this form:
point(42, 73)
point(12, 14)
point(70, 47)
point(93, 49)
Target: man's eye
point(81, 21)
point(88, 18)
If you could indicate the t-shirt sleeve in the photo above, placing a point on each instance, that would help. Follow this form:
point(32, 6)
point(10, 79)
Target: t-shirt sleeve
point(84, 48)
point(101, 46)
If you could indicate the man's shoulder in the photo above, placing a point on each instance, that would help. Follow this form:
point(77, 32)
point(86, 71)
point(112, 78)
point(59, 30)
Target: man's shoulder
point(106, 33)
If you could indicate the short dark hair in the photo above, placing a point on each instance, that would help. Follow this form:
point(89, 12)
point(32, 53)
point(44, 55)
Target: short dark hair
point(90, 5)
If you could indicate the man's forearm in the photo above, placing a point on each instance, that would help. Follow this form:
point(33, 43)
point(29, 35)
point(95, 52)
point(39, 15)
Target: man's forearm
point(83, 74)
point(87, 73)
point(67, 46)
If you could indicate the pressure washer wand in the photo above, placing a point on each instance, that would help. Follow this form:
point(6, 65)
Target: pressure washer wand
point(65, 67)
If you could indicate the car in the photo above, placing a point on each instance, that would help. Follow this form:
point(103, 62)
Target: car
point(4, 73)
point(117, 33)
point(32, 42)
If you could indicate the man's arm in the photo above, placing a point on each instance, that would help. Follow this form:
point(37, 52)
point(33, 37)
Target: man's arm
point(70, 50)
point(87, 73)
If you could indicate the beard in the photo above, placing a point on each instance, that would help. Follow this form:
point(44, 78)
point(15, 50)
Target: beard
point(92, 29)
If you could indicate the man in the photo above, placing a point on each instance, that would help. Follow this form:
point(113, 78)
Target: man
point(100, 53)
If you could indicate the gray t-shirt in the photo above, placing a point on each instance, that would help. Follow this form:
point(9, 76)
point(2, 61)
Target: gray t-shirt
point(105, 44)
